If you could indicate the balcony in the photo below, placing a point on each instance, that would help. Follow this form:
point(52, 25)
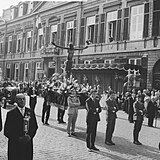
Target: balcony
point(124, 46)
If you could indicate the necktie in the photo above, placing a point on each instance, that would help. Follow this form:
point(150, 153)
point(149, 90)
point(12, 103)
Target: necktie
point(22, 111)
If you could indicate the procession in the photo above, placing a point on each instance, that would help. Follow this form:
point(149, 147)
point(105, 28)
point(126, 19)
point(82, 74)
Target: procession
point(80, 80)
point(68, 97)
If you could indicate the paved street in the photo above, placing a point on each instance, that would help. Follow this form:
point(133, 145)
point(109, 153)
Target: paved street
point(52, 143)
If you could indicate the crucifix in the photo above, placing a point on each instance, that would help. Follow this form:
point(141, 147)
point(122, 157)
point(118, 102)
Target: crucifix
point(69, 62)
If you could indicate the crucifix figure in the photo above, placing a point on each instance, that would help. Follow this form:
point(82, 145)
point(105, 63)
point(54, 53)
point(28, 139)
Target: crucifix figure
point(69, 62)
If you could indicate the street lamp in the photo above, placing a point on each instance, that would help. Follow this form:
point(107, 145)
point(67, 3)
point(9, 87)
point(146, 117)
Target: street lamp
point(70, 49)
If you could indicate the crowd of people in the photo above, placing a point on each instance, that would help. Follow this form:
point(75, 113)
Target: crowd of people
point(135, 103)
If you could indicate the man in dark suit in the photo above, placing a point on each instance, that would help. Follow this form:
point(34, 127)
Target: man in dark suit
point(46, 105)
point(93, 110)
point(20, 128)
point(32, 93)
point(131, 100)
point(0, 119)
point(111, 109)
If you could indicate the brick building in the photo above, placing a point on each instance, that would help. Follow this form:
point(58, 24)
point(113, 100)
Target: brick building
point(124, 35)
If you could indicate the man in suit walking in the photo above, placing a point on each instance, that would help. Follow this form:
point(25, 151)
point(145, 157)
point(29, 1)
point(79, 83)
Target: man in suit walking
point(93, 110)
point(20, 128)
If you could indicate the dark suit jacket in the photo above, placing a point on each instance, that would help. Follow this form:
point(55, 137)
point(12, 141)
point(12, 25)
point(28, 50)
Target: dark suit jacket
point(92, 112)
point(13, 129)
point(32, 100)
point(0, 120)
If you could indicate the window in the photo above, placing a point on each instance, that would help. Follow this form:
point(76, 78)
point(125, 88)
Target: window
point(135, 61)
point(70, 30)
point(8, 70)
point(40, 38)
point(26, 66)
point(20, 10)
point(10, 44)
point(1, 46)
point(29, 45)
point(38, 65)
point(51, 64)
point(16, 71)
point(90, 29)
point(87, 62)
point(137, 22)
point(19, 41)
point(111, 25)
point(53, 33)
point(110, 61)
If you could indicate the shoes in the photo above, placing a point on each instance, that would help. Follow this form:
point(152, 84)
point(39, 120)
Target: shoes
point(89, 150)
point(112, 143)
point(94, 148)
point(137, 143)
point(47, 123)
point(69, 135)
point(109, 143)
point(73, 134)
point(59, 122)
point(63, 122)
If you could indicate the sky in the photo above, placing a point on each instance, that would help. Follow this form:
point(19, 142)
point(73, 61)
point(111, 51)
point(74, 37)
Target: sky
point(4, 4)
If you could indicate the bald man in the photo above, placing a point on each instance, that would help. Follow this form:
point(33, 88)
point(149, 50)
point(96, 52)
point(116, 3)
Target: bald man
point(20, 128)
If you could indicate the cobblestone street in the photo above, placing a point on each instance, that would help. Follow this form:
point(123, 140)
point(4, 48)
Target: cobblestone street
point(51, 142)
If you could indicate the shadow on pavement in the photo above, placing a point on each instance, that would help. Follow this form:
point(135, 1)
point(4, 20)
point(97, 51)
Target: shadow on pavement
point(123, 149)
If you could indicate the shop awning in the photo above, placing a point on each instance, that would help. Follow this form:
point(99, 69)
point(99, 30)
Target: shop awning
point(114, 66)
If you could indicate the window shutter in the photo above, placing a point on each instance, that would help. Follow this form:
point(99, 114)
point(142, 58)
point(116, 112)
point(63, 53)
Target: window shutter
point(82, 32)
point(96, 29)
point(47, 37)
point(25, 8)
point(126, 24)
point(58, 33)
point(74, 32)
point(63, 31)
point(14, 43)
point(146, 20)
point(24, 42)
point(102, 28)
point(119, 21)
point(6, 45)
point(31, 41)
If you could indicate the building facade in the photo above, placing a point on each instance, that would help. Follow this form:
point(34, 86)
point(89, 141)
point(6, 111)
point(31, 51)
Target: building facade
point(124, 36)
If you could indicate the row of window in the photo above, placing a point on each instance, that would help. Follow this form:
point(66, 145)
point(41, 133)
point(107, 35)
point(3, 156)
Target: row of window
point(123, 24)
point(134, 61)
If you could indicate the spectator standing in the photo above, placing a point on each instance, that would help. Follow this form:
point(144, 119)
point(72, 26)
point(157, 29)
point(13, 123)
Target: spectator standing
point(111, 109)
point(46, 106)
point(32, 93)
point(93, 110)
point(73, 104)
point(151, 111)
point(139, 111)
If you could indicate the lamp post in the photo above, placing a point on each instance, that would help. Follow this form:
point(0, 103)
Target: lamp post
point(69, 62)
